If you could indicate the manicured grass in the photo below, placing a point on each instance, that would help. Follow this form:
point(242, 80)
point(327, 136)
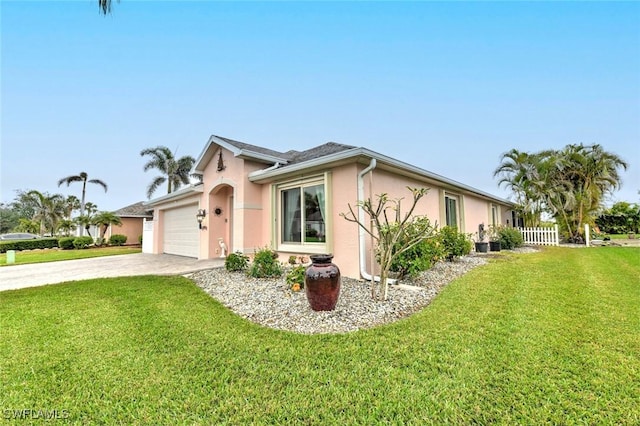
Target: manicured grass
point(50, 255)
point(545, 338)
point(620, 236)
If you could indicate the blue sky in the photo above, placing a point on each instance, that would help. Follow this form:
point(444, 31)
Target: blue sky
point(446, 86)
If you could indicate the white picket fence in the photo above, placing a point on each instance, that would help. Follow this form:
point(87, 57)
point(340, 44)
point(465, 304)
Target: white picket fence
point(547, 236)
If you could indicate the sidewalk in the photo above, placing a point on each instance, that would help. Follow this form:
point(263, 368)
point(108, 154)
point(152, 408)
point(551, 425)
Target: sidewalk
point(38, 274)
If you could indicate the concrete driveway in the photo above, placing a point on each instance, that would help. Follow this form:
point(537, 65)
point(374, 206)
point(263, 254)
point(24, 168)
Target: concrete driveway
point(37, 274)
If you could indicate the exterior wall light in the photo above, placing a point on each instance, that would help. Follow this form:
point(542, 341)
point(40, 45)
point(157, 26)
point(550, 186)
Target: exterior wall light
point(200, 217)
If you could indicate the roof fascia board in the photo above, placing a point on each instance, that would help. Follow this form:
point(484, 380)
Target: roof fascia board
point(384, 162)
point(260, 176)
point(263, 158)
point(178, 195)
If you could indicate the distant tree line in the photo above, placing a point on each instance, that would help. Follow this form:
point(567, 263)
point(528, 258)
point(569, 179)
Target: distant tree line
point(42, 213)
point(621, 218)
point(54, 214)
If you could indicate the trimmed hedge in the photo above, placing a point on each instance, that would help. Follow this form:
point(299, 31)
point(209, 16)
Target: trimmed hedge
point(117, 240)
point(82, 242)
point(66, 243)
point(40, 243)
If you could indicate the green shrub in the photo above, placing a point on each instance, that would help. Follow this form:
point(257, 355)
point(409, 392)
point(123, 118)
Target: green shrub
point(419, 258)
point(236, 262)
point(40, 243)
point(510, 238)
point(139, 239)
point(82, 242)
point(117, 240)
point(66, 243)
point(422, 256)
point(295, 275)
point(455, 243)
point(265, 264)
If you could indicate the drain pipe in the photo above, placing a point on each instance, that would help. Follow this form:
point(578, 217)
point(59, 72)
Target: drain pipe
point(361, 231)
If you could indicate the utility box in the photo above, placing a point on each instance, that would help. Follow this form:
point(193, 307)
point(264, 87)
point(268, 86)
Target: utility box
point(11, 257)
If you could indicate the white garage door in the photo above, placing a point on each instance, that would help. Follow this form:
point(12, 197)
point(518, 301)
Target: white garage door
point(181, 232)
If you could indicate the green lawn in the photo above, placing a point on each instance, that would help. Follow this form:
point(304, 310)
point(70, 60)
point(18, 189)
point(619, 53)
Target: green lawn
point(50, 255)
point(619, 236)
point(545, 338)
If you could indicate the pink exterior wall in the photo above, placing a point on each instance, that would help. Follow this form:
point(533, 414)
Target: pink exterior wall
point(344, 234)
point(131, 227)
point(396, 187)
point(375, 183)
point(241, 202)
point(505, 216)
point(476, 211)
point(239, 225)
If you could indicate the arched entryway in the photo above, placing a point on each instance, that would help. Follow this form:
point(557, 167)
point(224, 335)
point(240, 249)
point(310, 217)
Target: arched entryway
point(220, 220)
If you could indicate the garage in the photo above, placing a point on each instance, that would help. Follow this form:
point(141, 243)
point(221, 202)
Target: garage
point(181, 233)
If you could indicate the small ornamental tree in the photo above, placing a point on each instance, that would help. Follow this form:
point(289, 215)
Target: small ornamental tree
point(390, 235)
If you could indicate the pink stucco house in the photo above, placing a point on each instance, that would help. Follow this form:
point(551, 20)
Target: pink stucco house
point(291, 201)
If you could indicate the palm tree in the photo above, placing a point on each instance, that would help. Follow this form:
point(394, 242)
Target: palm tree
point(105, 6)
point(48, 210)
point(176, 171)
point(104, 220)
point(570, 183)
point(71, 203)
point(27, 225)
point(90, 209)
point(66, 226)
point(517, 172)
point(84, 178)
point(593, 174)
point(85, 224)
point(86, 220)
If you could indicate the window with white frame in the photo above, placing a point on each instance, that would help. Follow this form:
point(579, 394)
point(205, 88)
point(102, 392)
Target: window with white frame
point(301, 214)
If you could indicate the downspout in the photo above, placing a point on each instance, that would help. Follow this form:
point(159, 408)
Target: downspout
point(361, 231)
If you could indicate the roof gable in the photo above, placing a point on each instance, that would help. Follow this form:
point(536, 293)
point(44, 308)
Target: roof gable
point(239, 149)
point(245, 147)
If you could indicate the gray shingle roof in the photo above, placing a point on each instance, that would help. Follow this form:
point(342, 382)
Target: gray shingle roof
point(317, 152)
point(254, 148)
point(134, 210)
point(293, 156)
